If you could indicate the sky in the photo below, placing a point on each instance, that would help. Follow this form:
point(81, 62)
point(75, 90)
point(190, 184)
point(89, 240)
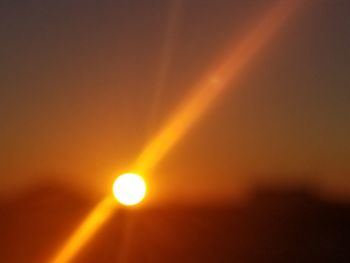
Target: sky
point(85, 84)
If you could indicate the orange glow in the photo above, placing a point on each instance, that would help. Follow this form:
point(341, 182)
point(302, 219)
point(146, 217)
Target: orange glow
point(129, 189)
point(189, 112)
point(86, 230)
point(213, 84)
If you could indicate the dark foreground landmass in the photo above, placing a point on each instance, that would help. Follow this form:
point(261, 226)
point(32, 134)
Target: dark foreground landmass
point(273, 227)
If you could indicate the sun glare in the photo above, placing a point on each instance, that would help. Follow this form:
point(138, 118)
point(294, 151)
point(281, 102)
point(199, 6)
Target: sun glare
point(129, 189)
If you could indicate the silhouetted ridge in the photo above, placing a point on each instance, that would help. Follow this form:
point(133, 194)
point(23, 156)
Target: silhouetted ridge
point(276, 226)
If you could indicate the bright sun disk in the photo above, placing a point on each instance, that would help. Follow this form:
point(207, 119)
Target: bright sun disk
point(129, 189)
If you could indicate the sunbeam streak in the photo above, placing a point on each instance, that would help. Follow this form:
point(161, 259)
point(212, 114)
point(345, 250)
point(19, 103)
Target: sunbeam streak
point(167, 53)
point(99, 215)
point(204, 94)
point(213, 84)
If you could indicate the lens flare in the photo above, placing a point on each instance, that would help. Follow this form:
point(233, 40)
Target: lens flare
point(97, 217)
point(212, 85)
point(129, 189)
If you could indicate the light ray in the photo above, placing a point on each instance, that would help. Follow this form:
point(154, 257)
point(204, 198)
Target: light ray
point(189, 112)
point(213, 84)
point(170, 34)
point(99, 215)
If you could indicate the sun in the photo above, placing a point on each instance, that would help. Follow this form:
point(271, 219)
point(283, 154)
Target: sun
point(129, 189)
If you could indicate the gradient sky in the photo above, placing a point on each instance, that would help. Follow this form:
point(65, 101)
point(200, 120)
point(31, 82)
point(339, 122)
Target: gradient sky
point(79, 81)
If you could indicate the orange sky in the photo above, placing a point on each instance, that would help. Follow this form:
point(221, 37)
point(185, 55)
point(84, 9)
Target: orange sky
point(79, 87)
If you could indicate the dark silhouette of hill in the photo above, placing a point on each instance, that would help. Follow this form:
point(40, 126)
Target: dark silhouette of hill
point(38, 220)
point(275, 226)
